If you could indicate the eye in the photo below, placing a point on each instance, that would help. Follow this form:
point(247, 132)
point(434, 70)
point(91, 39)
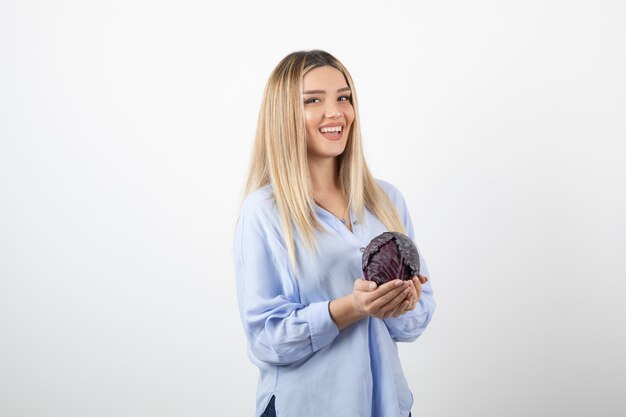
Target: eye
point(311, 100)
point(345, 98)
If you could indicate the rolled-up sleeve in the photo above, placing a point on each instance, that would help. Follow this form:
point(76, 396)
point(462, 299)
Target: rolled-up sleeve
point(411, 325)
point(279, 328)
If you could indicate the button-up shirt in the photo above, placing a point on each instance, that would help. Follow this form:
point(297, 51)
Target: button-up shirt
point(311, 367)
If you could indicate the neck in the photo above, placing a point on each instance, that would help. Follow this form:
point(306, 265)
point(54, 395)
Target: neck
point(324, 175)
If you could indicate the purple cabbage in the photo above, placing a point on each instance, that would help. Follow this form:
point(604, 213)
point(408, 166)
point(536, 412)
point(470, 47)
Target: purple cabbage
point(389, 256)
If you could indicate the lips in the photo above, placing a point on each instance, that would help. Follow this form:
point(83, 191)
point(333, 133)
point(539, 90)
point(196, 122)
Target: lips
point(331, 125)
point(332, 131)
point(332, 135)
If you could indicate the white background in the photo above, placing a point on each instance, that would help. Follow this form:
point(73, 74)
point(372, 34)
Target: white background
point(125, 133)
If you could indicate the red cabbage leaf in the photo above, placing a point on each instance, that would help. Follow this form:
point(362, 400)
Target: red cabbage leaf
point(389, 256)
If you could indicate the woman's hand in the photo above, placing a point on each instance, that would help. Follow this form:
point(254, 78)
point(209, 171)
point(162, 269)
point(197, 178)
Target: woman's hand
point(391, 299)
point(413, 297)
point(381, 301)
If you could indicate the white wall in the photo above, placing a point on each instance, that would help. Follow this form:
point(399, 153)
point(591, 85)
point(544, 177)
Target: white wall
point(125, 132)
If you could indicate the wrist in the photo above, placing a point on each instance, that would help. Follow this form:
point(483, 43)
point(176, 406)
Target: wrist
point(344, 311)
point(354, 305)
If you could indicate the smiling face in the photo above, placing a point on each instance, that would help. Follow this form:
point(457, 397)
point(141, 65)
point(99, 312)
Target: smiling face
point(328, 112)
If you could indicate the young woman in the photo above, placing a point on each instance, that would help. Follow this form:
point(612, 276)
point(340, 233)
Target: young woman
point(323, 338)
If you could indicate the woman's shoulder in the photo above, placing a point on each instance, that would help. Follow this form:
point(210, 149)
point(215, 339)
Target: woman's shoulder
point(259, 196)
point(260, 202)
point(391, 190)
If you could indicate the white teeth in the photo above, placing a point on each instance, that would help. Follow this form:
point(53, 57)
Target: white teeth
point(330, 129)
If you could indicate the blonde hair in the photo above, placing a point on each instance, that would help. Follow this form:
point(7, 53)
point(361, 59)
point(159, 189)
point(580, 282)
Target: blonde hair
point(279, 155)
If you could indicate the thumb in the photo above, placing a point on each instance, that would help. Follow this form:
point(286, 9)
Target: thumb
point(365, 285)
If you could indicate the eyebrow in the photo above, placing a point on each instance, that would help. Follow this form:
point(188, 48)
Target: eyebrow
point(324, 91)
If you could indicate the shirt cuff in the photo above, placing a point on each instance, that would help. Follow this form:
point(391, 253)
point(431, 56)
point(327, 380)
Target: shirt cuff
point(408, 322)
point(397, 324)
point(322, 326)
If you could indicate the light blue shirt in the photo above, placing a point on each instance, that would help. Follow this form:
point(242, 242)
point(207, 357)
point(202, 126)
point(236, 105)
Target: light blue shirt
point(311, 367)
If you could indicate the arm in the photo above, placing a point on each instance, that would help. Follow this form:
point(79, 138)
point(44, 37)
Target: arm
point(367, 300)
point(412, 324)
point(409, 326)
point(279, 329)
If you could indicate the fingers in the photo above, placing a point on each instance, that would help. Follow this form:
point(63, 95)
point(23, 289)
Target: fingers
point(388, 291)
point(402, 308)
point(418, 285)
point(415, 296)
point(391, 299)
point(364, 285)
point(387, 302)
point(417, 282)
point(394, 308)
point(366, 292)
point(361, 284)
point(411, 299)
point(370, 286)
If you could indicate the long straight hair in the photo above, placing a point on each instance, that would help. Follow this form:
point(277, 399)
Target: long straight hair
point(279, 156)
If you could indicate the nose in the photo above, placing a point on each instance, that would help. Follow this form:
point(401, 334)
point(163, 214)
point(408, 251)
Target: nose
point(332, 111)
